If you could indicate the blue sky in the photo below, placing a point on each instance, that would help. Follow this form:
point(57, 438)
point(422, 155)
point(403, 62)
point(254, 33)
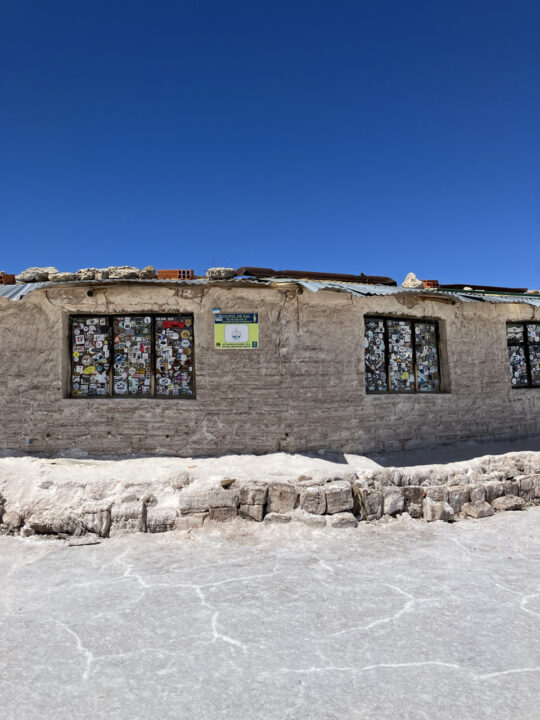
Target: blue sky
point(378, 137)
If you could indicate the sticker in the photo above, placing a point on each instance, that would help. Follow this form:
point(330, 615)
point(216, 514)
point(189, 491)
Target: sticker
point(130, 333)
point(120, 387)
point(172, 346)
point(90, 370)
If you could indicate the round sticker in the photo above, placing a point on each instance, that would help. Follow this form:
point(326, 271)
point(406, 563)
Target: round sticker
point(185, 333)
point(185, 343)
point(75, 354)
point(147, 320)
point(165, 381)
point(120, 387)
point(188, 322)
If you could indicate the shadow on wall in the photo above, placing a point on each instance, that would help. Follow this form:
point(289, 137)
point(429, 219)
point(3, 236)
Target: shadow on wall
point(455, 452)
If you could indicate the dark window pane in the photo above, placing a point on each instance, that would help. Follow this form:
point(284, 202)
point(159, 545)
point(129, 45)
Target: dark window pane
point(400, 355)
point(376, 380)
point(427, 357)
point(533, 333)
point(90, 356)
point(174, 356)
point(514, 333)
point(518, 365)
point(132, 355)
point(534, 360)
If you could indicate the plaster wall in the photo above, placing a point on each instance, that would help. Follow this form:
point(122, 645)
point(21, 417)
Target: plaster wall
point(302, 390)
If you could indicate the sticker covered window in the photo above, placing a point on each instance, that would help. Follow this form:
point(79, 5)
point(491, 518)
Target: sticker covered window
point(174, 356)
point(132, 356)
point(375, 356)
point(401, 355)
point(523, 341)
point(132, 373)
point(90, 356)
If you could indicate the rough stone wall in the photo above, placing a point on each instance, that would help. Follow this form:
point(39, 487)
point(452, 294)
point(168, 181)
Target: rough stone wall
point(65, 496)
point(303, 390)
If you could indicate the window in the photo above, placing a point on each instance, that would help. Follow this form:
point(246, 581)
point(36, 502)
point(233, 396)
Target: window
point(401, 355)
point(132, 356)
point(523, 341)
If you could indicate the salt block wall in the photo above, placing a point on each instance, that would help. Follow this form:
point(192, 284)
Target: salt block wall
point(302, 390)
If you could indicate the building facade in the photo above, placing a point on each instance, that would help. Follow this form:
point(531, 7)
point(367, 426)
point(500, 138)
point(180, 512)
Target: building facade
point(208, 367)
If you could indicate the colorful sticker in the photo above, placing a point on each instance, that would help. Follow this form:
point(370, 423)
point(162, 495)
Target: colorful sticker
point(514, 333)
point(391, 346)
point(374, 351)
point(427, 357)
point(533, 333)
point(400, 355)
point(174, 361)
point(518, 365)
point(130, 333)
point(90, 343)
point(534, 362)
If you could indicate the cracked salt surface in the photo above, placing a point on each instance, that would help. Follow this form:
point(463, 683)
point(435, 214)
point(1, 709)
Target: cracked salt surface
point(404, 620)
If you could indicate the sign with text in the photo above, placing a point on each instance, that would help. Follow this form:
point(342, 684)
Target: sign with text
point(236, 331)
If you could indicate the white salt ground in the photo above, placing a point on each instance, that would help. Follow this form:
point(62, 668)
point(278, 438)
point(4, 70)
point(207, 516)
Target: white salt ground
point(406, 620)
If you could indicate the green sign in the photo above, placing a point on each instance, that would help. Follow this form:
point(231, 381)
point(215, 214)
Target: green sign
point(236, 331)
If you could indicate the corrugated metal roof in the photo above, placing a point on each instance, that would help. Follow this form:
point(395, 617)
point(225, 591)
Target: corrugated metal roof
point(367, 290)
point(18, 291)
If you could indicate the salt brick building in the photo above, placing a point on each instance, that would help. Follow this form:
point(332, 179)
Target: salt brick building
point(264, 361)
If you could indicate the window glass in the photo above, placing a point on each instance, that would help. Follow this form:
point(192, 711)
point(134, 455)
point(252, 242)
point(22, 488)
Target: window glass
point(174, 356)
point(518, 365)
point(132, 356)
point(514, 333)
point(375, 356)
point(90, 356)
point(427, 357)
point(524, 354)
point(534, 362)
point(132, 369)
point(533, 333)
point(400, 355)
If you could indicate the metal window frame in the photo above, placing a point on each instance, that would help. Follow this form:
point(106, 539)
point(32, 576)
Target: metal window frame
point(413, 322)
point(525, 345)
point(112, 395)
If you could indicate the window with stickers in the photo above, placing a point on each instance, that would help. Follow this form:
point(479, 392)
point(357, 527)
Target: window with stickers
point(523, 340)
point(136, 356)
point(401, 355)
